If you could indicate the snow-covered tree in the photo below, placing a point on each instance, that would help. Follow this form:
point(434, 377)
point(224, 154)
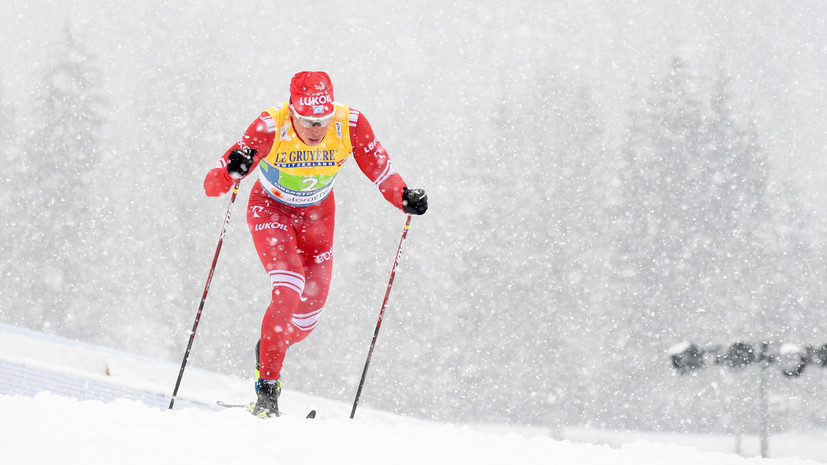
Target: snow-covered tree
point(11, 182)
point(693, 193)
point(180, 128)
point(62, 162)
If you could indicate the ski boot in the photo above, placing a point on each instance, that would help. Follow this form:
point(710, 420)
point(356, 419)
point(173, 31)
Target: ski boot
point(267, 405)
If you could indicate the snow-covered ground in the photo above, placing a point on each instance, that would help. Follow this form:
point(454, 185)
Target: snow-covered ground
point(67, 402)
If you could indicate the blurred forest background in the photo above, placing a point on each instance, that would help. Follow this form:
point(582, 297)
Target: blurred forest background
point(606, 180)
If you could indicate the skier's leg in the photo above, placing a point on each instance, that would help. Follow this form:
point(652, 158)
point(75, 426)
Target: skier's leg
point(274, 236)
point(315, 245)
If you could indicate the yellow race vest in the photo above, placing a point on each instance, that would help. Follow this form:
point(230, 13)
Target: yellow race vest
point(296, 174)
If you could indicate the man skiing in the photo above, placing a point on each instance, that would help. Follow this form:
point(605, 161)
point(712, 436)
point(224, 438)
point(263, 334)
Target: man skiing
point(298, 147)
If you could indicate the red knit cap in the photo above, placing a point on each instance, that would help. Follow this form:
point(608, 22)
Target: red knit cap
point(311, 93)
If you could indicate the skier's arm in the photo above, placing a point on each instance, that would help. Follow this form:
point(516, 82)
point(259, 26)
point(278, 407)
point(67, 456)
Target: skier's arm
point(373, 160)
point(257, 140)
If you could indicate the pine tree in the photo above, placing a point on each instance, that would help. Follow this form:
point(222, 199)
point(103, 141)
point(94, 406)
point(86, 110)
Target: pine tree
point(737, 207)
point(693, 191)
point(62, 163)
point(180, 133)
point(561, 244)
point(11, 182)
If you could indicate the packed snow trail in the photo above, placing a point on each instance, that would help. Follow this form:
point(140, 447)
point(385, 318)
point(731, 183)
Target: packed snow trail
point(127, 422)
point(49, 429)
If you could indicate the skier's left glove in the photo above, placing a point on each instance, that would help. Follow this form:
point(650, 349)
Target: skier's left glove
point(414, 201)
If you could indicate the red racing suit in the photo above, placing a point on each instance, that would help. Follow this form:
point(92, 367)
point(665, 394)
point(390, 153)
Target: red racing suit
point(291, 212)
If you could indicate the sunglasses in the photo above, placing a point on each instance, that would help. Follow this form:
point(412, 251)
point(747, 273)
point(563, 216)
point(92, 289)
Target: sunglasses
point(312, 121)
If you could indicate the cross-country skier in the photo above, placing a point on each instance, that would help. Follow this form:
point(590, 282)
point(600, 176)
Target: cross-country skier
point(298, 147)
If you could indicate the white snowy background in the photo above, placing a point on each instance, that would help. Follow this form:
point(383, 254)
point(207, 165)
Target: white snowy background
point(606, 180)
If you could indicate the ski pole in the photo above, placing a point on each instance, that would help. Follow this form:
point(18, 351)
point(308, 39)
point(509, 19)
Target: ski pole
point(381, 314)
point(204, 295)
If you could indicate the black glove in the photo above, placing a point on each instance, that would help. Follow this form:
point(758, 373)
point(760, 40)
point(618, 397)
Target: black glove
point(240, 162)
point(414, 201)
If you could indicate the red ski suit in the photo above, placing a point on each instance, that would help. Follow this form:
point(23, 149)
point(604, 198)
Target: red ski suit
point(293, 240)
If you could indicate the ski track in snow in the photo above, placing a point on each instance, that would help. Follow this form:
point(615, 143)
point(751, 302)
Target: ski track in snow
point(67, 402)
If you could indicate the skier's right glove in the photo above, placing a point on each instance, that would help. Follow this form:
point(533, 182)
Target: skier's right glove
point(240, 162)
point(414, 201)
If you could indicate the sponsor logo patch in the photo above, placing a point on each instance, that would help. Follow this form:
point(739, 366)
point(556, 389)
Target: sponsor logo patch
point(321, 258)
point(273, 225)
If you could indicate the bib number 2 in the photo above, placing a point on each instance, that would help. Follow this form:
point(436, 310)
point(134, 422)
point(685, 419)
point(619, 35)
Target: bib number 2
point(309, 183)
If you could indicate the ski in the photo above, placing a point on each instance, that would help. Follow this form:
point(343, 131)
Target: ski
point(249, 407)
point(224, 404)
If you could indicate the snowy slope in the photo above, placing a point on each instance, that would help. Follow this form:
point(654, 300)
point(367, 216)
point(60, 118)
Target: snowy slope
point(66, 402)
